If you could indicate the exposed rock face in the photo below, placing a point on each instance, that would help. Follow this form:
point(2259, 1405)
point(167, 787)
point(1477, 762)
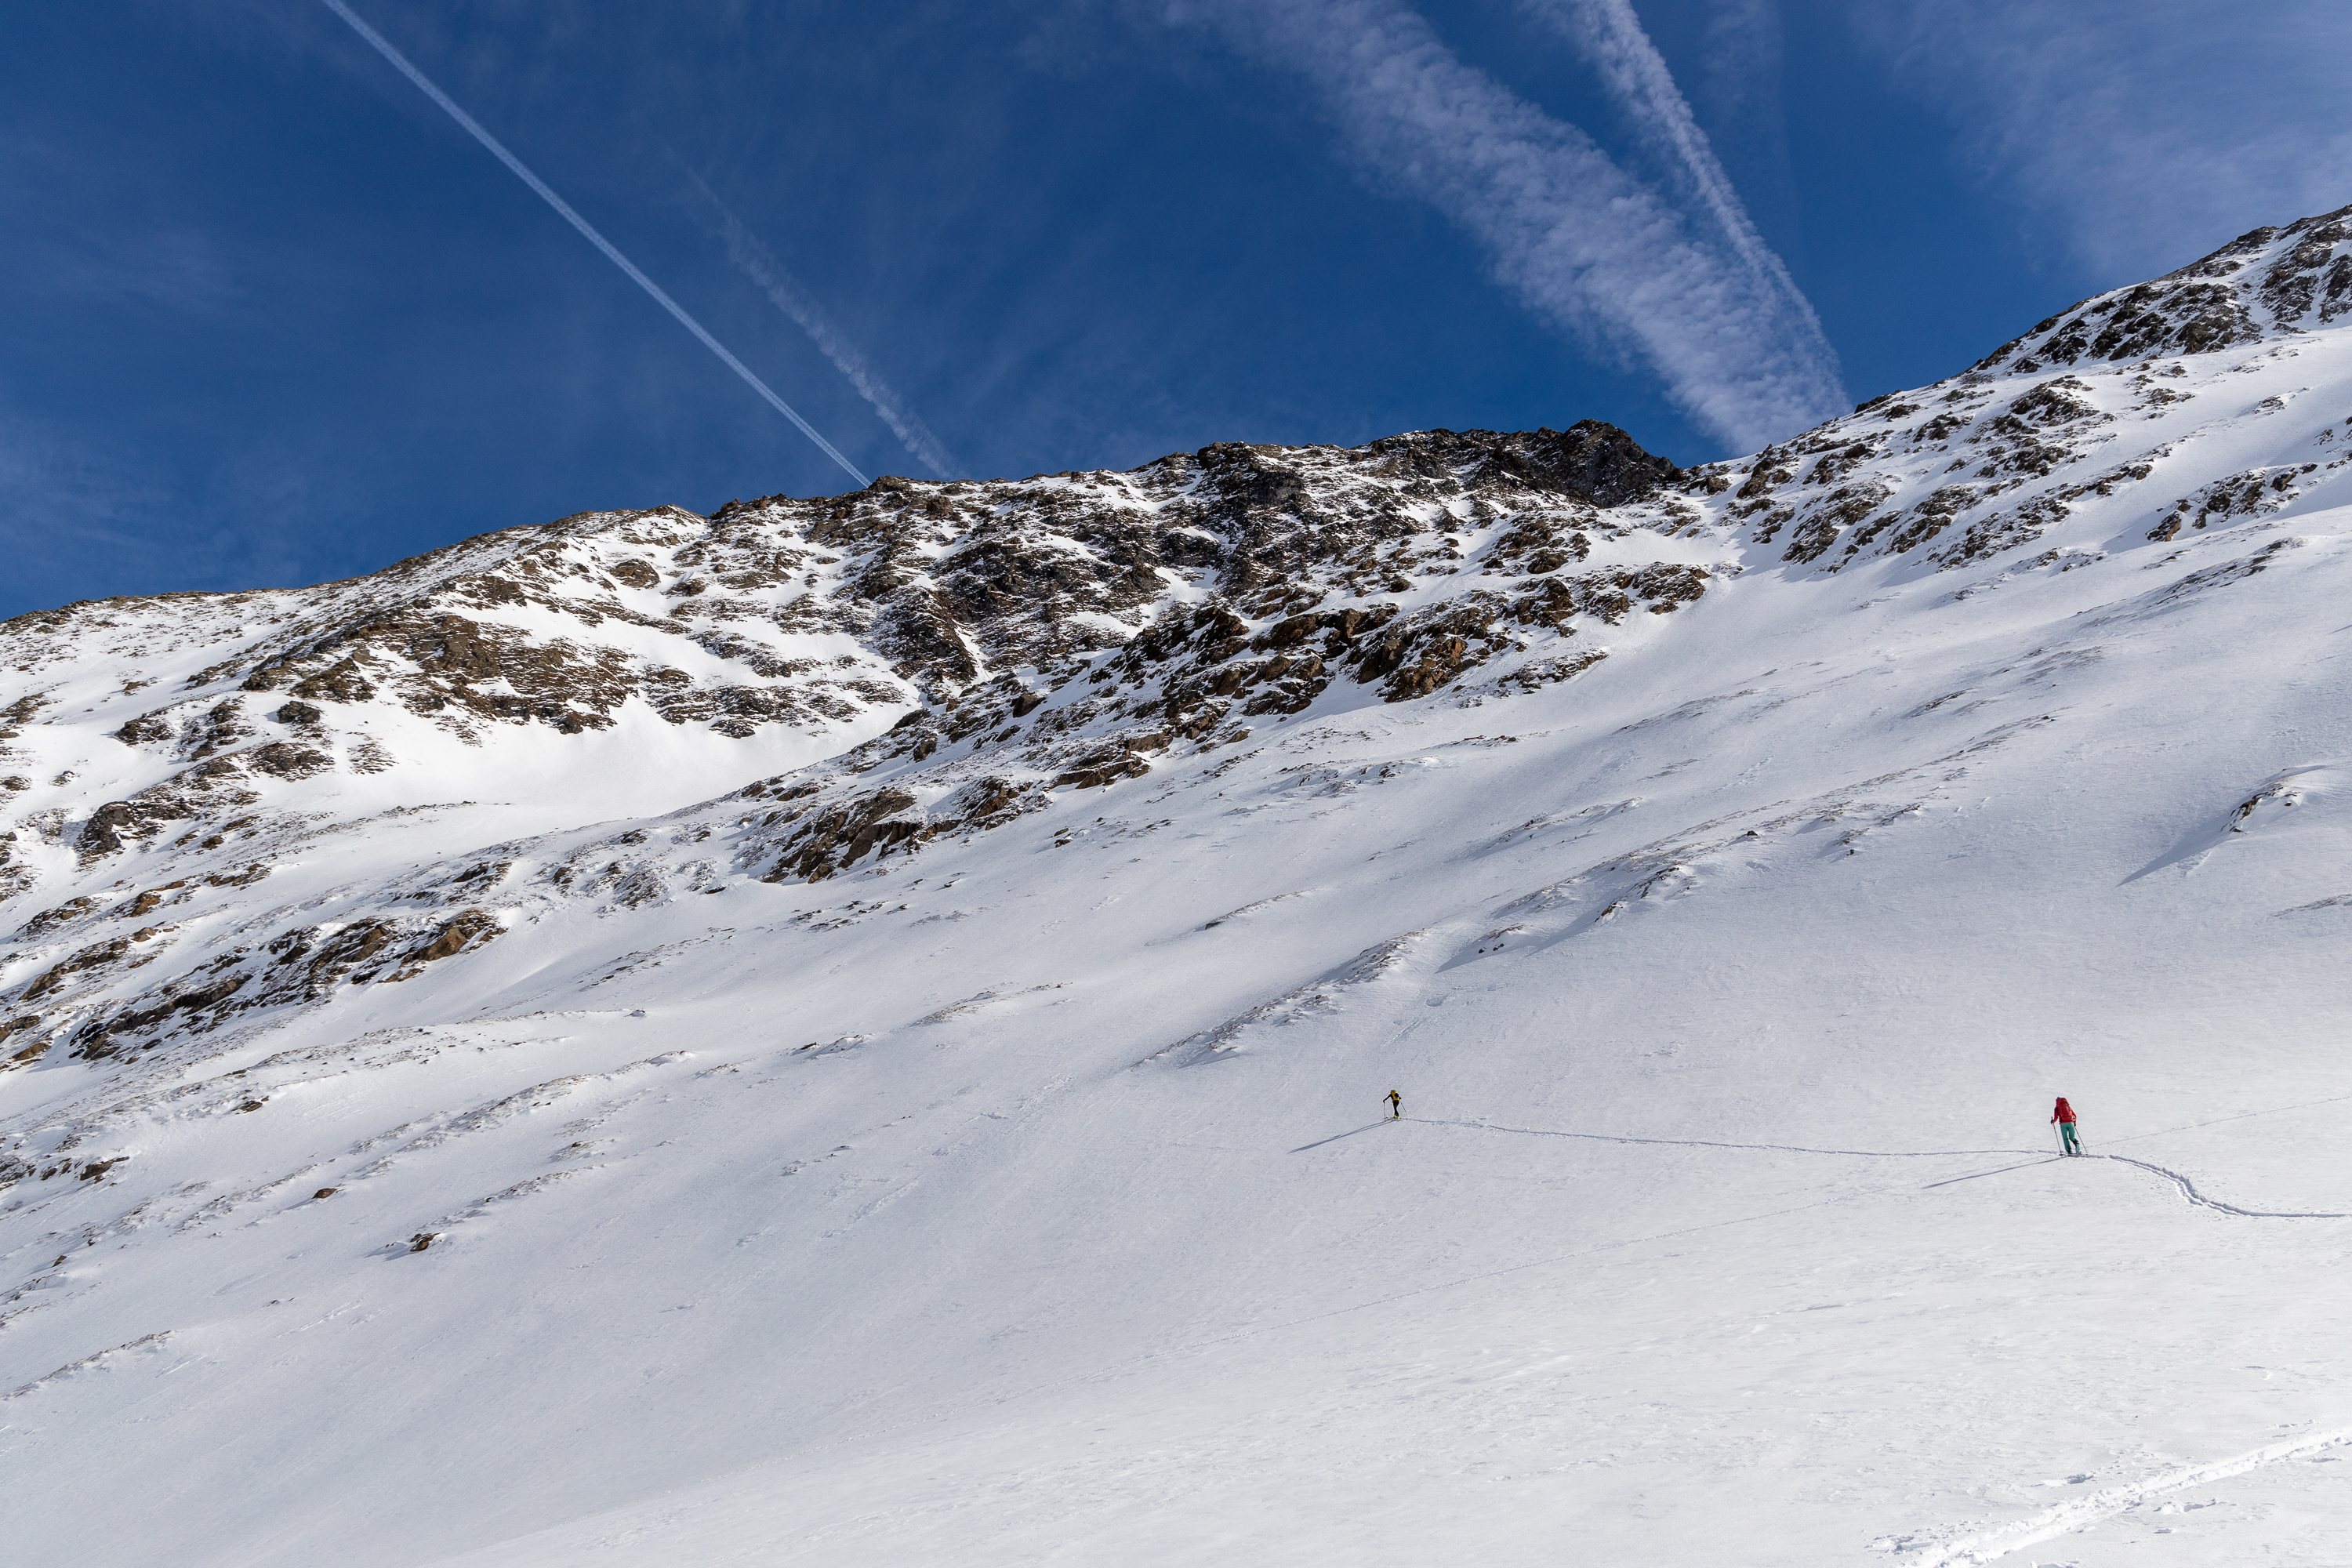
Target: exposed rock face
point(1063, 633)
point(1989, 462)
point(914, 663)
point(2266, 281)
point(799, 611)
point(973, 600)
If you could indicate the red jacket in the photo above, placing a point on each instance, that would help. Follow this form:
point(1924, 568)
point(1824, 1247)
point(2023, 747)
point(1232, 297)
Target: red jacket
point(2064, 1112)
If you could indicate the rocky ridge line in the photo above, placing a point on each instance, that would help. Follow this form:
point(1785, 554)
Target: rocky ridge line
point(1042, 639)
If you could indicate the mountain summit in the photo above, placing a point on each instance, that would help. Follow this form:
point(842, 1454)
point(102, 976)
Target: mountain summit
point(852, 1028)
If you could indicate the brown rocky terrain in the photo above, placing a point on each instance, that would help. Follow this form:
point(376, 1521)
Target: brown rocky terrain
point(855, 677)
point(1059, 633)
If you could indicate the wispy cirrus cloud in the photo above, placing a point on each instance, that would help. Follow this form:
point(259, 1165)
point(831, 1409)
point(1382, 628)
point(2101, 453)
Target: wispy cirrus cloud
point(2140, 131)
point(80, 510)
point(60, 493)
point(1694, 298)
point(1742, 49)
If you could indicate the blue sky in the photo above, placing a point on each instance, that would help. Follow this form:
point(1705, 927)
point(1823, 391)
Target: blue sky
point(273, 317)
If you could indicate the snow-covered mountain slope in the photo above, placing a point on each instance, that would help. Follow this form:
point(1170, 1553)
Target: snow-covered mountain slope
point(854, 1030)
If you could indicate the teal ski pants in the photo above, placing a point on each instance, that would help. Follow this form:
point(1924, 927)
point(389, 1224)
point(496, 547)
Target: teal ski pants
point(2066, 1133)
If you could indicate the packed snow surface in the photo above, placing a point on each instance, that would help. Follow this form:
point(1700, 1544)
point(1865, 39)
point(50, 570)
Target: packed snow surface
point(1027, 1195)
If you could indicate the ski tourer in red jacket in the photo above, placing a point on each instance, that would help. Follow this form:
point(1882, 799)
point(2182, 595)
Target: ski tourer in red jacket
point(2064, 1117)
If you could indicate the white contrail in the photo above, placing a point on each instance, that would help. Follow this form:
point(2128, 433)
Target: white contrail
point(784, 292)
point(1579, 239)
point(1612, 38)
point(588, 231)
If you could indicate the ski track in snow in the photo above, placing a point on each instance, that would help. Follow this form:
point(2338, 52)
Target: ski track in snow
point(2187, 1188)
point(2082, 1513)
point(1708, 1143)
point(962, 1285)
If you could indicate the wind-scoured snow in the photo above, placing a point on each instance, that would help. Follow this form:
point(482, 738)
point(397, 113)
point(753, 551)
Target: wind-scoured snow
point(856, 1030)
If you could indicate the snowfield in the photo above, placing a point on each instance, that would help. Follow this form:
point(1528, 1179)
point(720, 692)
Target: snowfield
point(1022, 1192)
